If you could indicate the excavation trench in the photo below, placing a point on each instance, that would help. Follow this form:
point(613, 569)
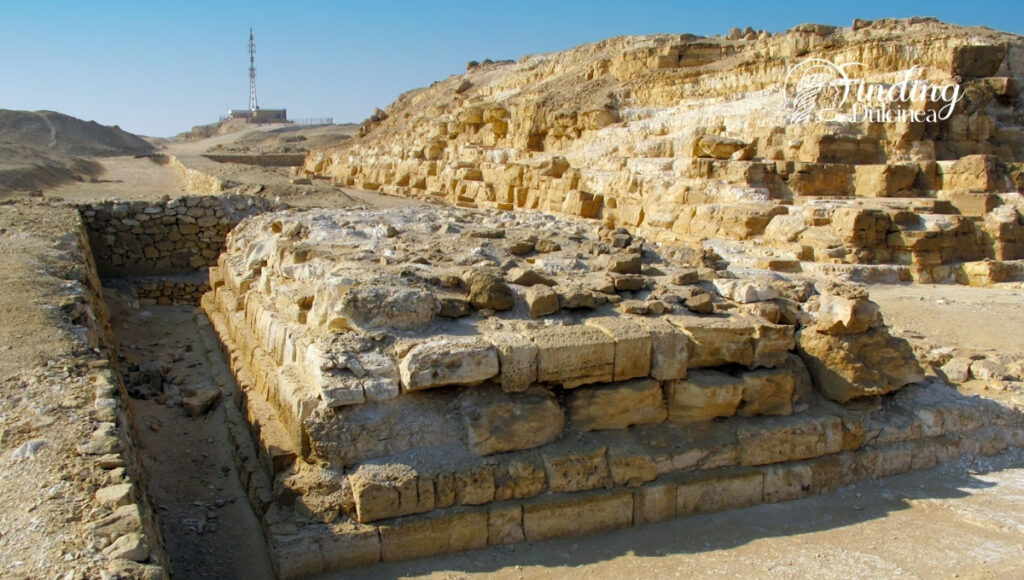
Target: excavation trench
point(168, 353)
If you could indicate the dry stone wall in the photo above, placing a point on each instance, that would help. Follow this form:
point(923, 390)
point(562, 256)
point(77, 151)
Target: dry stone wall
point(167, 236)
point(424, 381)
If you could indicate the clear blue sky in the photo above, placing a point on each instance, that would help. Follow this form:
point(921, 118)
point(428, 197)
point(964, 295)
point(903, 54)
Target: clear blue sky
point(158, 67)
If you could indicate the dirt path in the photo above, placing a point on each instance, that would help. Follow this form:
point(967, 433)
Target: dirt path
point(208, 527)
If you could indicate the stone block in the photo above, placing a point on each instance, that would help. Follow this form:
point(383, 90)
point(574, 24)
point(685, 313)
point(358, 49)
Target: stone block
point(890, 180)
point(844, 367)
point(787, 482)
point(505, 525)
point(789, 439)
point(433, 536)
point(709, 494)
point(541, 301)
point(767, 392)
point(448, 361)
point(702, 396)
point(717, 341)
point(578, 516)
point(497, 421)
point(617, 405)
point(573, 355)
point(632, 346)
point(654, 503)
point(669, 355)
point(349, 546)
point(631, 470)
point(474, 486)
point(578, 471)
point(517, 358)
point(387, 491)
point(518, 479)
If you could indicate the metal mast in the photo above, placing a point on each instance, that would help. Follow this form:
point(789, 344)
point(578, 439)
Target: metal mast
point(253, 105)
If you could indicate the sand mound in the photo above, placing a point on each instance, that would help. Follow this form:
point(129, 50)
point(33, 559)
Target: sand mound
point(43, 149)
point(68, 135)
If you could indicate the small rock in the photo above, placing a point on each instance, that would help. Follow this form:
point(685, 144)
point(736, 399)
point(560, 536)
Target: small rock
point(987, 370)
point(527, 277)
point(115, 495)
point(28, 449)
point(546, 246)
point(487, 290)
point(541, 300)
point(700, 304)
point(957, 370)
point(128, 547)
point(200, 402)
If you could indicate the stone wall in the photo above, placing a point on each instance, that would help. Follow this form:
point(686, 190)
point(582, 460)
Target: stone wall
point(166, 236)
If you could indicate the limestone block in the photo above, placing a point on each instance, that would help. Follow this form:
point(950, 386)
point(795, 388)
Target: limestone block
point(617, 405)
point(787, 482)
point(767, 392)
point(745, 292)
point(631, 470)
point(349, 546)
point(844, 367)
point(505, 525)
point(387, 491)
point(374, 307)
point(789, 439)
point(702, 396)
point(433, 536)
point(772, 344)
point(669, 356)
point(448, 361)
point(541, 301)
point(890, 180)
point(578, 471)
point(654, 503)
point(518, 480)
point(977, 173)
point(860, 227)
point(822, 179)
point(844, 315)
point(632, 346)
point(717, 341)
point(578, 516)
point(474, 486)
point(709, 494)
point(295, 555)
point(517, 357)
point(573, 355)
point(499, 421)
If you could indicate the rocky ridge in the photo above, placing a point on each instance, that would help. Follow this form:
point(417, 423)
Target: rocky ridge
point(684, 138)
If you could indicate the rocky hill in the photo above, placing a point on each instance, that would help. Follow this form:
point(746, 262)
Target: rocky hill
point(688, 138)
point(44, 148)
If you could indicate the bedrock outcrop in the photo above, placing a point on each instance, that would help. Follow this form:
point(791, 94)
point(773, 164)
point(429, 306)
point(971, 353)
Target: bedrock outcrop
point(681, 137)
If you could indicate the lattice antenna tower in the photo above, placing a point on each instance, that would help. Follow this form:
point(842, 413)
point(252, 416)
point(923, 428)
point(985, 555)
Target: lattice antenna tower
point(253, 103)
